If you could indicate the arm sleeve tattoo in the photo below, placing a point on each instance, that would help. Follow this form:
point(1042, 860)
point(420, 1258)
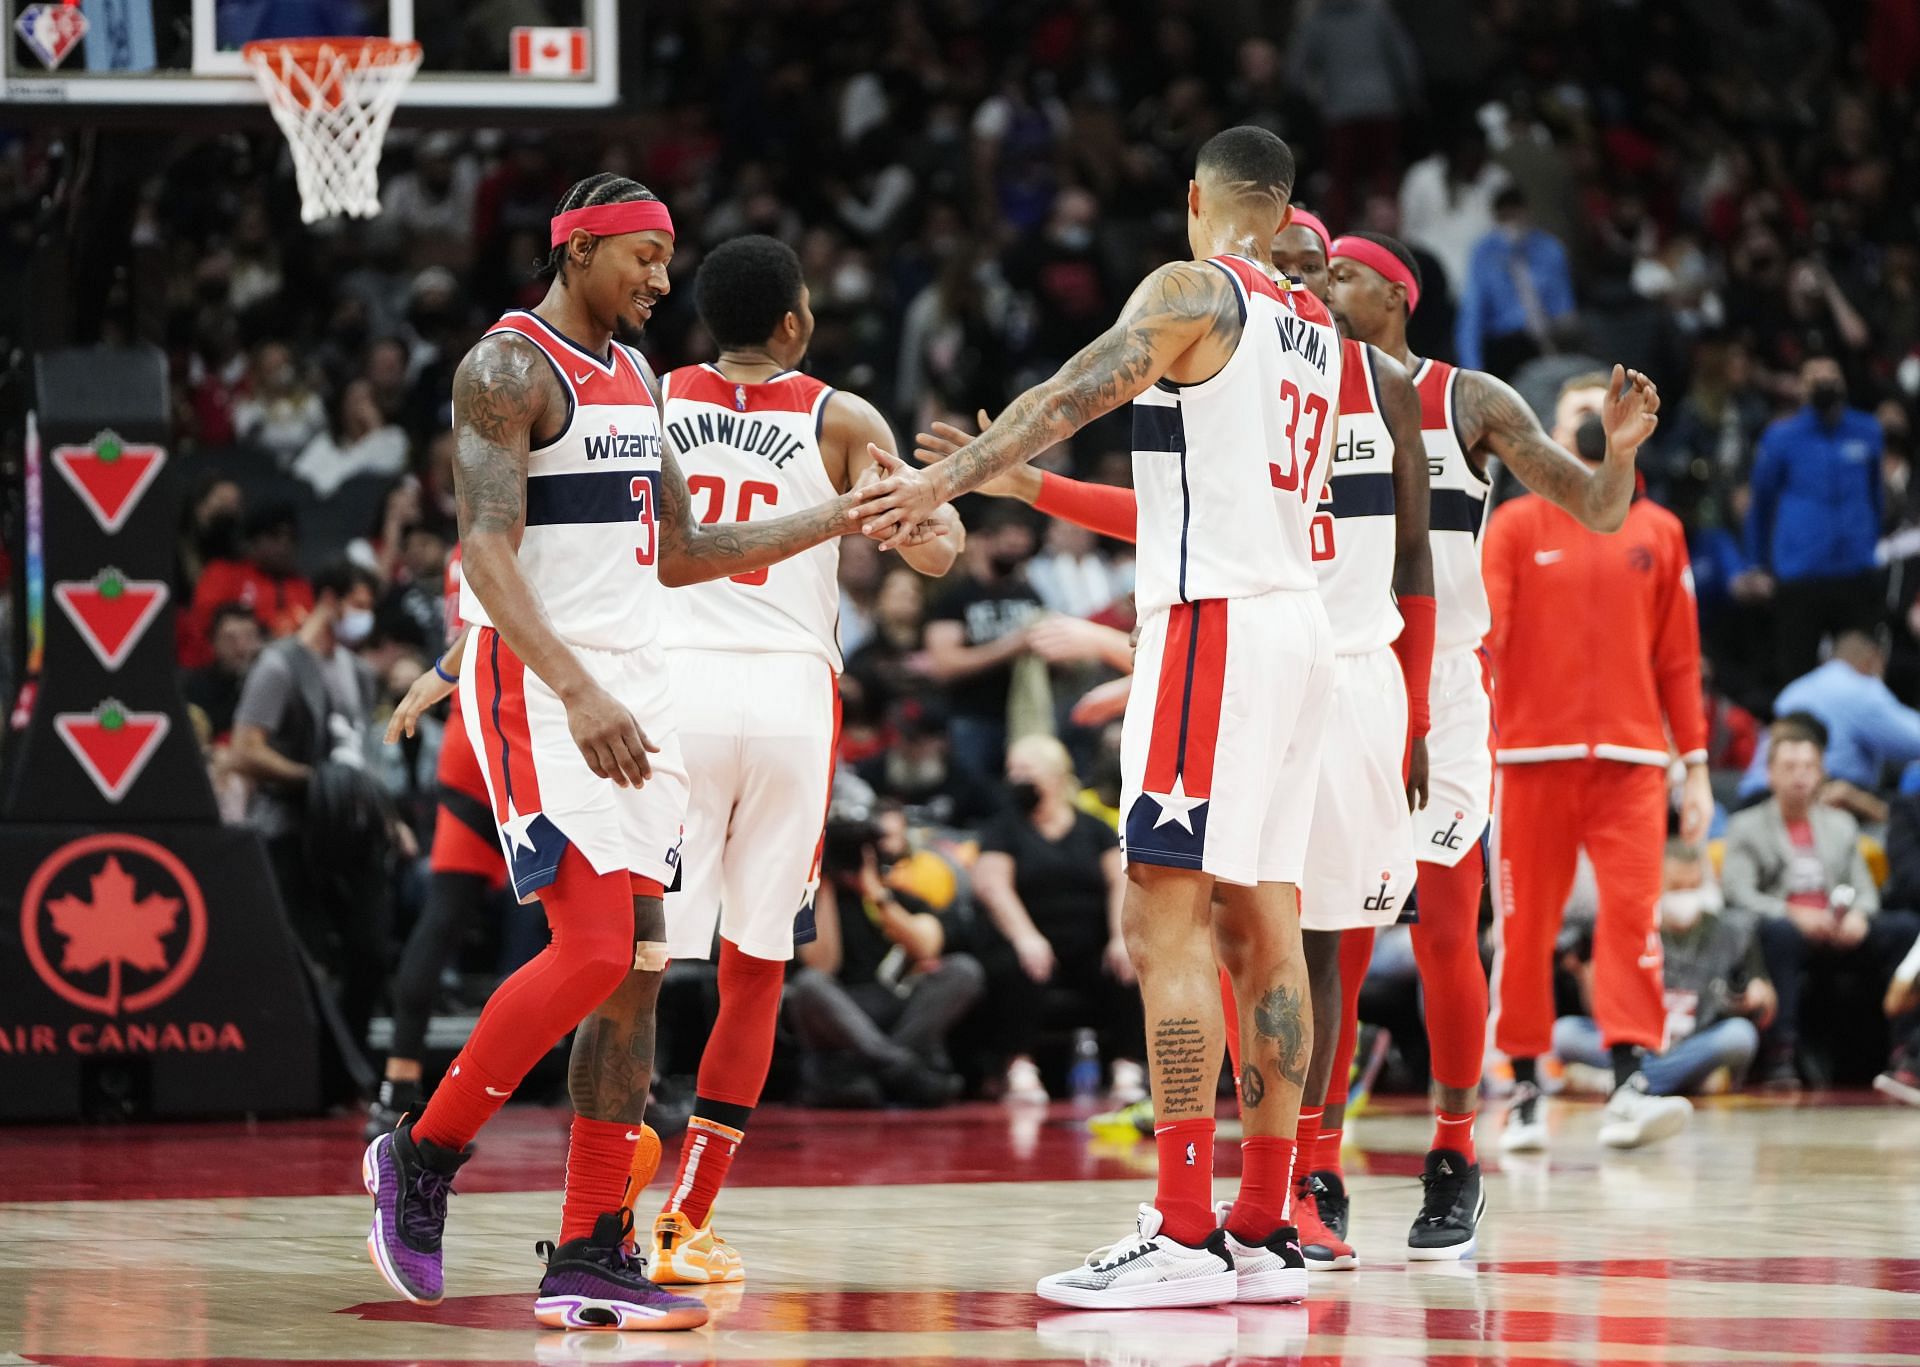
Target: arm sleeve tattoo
point(1494, 418)
point(1175, 307)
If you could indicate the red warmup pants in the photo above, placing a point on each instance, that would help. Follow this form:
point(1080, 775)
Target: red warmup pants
point(1545, 813)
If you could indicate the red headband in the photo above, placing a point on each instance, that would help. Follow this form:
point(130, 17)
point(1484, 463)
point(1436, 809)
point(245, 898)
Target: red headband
point(1380, 259)
point(1304, 218)
point(610, 220)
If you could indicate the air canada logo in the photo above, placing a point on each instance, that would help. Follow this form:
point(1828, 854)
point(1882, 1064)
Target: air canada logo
point(113, 924)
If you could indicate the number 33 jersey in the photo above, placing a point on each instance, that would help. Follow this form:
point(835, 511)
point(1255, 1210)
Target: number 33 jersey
point(1229, 471)
point(751, 452)
point(592, 533)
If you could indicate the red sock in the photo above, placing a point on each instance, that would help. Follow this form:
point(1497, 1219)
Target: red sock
point(1451, 1131)
point(599, 1157)
point(1306, 1136)
point(1446, 945)
point(1232, 1010)
point(590, 953)
point(1266, 1188)
point(1326, 1153)
point(1184, 1196)
point(705, 1155)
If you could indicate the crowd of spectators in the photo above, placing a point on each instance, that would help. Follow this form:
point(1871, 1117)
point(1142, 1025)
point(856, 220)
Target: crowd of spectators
point(1705, 190)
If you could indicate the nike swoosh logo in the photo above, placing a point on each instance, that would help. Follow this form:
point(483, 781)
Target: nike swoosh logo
point(1547, 557)
point(633, 1134)
point(492, 1092)
point(583, 377)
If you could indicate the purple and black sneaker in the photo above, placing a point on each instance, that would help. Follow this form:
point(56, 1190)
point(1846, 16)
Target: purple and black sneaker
point(594, 1283)
point(409, 1181)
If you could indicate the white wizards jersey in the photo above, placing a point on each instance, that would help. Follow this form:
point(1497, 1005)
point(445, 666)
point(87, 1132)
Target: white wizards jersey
point(592, 499)
point(1353, 535)
point(1208, 457)
point(1459, 512)
point(752, 452)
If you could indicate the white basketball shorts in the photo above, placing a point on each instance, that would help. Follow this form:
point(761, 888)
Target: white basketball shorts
point(1360, 863)
point(1220, 749)
point(1459, 759)
point(543, 794)
point(758, 733)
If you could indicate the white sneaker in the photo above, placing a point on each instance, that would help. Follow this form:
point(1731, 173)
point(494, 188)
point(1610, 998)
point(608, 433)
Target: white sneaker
point(1634, 1117)
point(1147, 1271)
point(1024, 1084)
point(1129, 1083)
point(1269, 1273)
point(1526, 1130)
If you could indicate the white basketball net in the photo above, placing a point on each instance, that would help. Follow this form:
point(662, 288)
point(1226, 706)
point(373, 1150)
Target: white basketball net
point(334, 98)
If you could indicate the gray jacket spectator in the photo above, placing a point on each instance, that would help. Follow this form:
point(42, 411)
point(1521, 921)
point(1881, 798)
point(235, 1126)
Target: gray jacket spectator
point(1765, 868)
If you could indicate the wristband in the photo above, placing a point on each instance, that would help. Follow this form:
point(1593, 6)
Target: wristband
point(439, 667)
point(1414, 647)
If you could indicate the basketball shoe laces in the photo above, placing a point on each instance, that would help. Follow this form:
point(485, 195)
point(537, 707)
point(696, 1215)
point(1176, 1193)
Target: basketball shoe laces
point(618, 1262)
point(1443, 1191)
point(423, 1217)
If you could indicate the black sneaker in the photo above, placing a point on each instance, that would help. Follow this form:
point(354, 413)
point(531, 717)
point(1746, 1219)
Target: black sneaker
point(1449, 1218)
point(1330, 1194)
point(594, 1283)
point(394, 1102)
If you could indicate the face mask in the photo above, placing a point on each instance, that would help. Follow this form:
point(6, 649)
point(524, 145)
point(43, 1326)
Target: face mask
point(1025, 795)
point(1590, 439)
point(354, 626)
point(1827, 397)
point(1005, 563)
point(1681, 908)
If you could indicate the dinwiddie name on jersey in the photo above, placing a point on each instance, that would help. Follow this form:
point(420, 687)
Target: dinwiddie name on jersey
point(623, 446)
point(742, 432)
point(1298, 335)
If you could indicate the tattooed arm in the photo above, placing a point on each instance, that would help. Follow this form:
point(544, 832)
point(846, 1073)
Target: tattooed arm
point(854, 430)
point(501, 390)
point(1175, 309)
point(1494, 419)
point(692, 554)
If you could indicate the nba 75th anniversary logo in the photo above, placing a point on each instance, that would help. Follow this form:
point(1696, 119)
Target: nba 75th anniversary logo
point(115, 925)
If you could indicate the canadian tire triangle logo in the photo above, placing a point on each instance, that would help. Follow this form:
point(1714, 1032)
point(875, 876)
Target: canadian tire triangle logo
point(112, 744)
point(111, 612)
point(110, 475)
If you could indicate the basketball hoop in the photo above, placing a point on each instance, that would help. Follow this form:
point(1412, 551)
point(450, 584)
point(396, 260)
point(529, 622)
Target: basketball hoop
point(333, 98)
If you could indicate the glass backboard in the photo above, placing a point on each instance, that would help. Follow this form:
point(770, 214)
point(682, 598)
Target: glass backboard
point(476, 54)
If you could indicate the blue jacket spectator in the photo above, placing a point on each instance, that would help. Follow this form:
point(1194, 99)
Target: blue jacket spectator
point(1519, 289)
point(1815, 521)
point(1868, 728)
point(1817, 496)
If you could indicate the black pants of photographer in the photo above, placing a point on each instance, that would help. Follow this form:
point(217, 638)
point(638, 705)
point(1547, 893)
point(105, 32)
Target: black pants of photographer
point(341, 919)
point(884, 1032)
point(1855, 981)
point(1080, 993)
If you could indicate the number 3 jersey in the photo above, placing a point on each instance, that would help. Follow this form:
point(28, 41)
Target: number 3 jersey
point(752, 452)
point(592, 532)
point(1229, 471)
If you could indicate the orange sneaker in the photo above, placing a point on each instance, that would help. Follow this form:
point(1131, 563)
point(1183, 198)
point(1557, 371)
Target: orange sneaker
point(684, 1254)
point(646, 1162)
point(1324, 1250)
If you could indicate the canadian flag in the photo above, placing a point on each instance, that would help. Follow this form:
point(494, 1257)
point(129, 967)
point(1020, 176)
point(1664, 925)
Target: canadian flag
point(549, 51)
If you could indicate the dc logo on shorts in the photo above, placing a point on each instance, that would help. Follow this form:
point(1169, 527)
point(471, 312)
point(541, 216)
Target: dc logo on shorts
point(673, 855)
point(1449, 839)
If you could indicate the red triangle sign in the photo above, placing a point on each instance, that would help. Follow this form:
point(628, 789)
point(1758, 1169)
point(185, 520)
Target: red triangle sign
point(112, 744)
point(112, 612)
point(110, 475)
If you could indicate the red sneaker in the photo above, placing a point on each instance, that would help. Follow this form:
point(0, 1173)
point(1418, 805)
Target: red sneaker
point(1323, 1249)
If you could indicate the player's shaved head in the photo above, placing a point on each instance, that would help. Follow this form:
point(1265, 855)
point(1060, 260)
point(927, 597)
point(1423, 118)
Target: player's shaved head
point(1246, 162)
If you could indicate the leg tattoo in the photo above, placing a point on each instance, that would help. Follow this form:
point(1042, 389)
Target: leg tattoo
point(1282, 1017)
point(611, 1069)
point(1253, 1087)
